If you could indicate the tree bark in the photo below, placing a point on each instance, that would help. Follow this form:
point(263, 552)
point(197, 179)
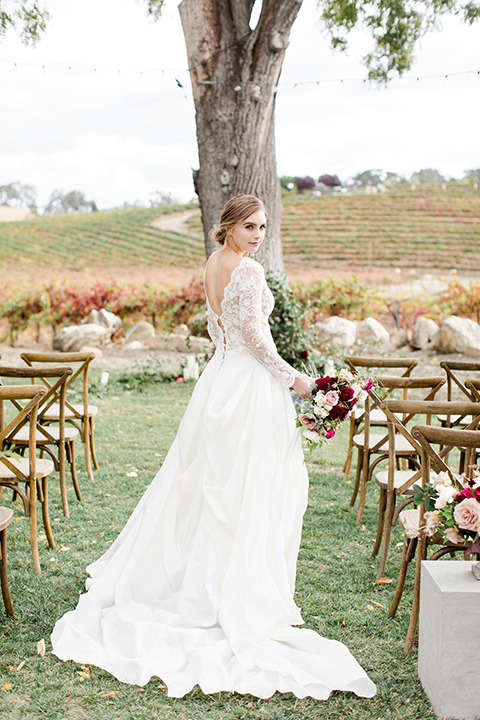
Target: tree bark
point(234, 72)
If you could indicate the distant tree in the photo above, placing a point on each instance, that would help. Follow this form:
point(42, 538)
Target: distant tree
point(17, 195)
point(393, 178)
point(367, 178)
point(287, 182)
point(428, 175)
point(160, 197)
point(304, 183)
point(330, 181)
point(61, 203)
point(473, 174)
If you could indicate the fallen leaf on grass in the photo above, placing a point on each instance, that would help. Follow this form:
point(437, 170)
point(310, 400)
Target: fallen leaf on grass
point(378, 604)
point(383, 581)
point(7, 686)
point(132, 474)
point(19, 667)
point(41, 647)
point(112, 693)
point(83, 673)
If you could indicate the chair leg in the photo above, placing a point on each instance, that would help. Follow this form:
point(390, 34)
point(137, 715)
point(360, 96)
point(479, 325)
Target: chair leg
point(46, 519)
point(412, 627)
point(363, 489)
point(32, 513)
point(3, 573)
point(92, 445)
point(382, 503)
point(407, 552)
point(86, 441)
point(61, 470)
point(73, 468)
point(387, 531)
point(348, 461)
point(358, 475)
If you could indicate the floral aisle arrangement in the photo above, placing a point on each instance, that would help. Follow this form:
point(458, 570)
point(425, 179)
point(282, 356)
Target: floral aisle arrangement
point(452, 509)
point(331, 403)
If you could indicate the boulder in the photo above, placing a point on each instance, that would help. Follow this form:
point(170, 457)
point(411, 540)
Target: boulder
point(93, 350)
point(398, 340)
point(459, 335)
point(182, 330)
point(74, 337)
point(424, 334)
point(106, 319)
point(336, 332)
point(141, 332)
point(180, 343)
point(371, 332)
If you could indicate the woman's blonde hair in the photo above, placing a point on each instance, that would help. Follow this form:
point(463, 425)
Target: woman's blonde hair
point(237, 209)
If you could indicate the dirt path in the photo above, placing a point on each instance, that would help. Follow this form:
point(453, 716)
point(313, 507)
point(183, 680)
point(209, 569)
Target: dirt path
point(176, 221)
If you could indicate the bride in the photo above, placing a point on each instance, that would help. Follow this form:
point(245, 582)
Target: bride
point(198, 587)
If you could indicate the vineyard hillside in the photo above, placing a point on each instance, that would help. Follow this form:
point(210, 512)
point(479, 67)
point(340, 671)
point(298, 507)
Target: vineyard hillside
point(427, 228)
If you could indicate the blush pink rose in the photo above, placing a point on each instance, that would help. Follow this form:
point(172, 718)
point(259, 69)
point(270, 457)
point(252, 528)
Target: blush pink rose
point(467, 515)
point(332, 397)
point(432, 520)
point(307, 421)
point(453, 537)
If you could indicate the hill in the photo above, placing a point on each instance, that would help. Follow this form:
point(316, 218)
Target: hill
point(426, 229)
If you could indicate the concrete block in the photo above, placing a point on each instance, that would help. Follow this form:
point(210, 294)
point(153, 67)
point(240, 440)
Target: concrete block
point(449, 638)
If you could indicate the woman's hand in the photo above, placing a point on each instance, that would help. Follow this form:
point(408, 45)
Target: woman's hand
point(303, 386)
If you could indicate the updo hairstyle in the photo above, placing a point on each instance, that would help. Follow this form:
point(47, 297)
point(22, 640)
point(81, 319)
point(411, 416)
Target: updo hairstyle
point(237, 209)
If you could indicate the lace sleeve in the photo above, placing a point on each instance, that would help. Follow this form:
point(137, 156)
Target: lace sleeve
point(252, 325)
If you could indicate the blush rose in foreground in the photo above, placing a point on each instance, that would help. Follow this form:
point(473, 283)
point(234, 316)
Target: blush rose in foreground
point(467, 515)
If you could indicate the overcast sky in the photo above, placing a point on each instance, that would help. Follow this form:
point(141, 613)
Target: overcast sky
point(95, 105)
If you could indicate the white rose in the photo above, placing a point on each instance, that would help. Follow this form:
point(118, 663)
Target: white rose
point(442, 478)
point(446, 494)
point(310, 435)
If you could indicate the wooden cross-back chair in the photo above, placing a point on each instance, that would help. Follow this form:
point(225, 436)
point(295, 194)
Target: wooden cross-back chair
point(375, 444)
point(458, 373)
point(57, 440)
point(80, 415)
point(358, 365)
point(394, 483)
point(428, 436)
point(27, 476)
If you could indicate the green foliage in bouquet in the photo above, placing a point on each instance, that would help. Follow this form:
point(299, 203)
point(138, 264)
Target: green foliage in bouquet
point(288, 323)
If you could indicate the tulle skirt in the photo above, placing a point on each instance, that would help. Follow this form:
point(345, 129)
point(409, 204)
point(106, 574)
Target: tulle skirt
point(198, 587)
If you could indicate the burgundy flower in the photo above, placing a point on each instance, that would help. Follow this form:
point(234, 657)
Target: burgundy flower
point(464, 494)
point(330, 433)
point(476, 494)
point(346, 393)
point(324, 383)
point(304, 354)
point(338, 413)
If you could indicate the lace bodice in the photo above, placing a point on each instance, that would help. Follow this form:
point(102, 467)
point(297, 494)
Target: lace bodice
point(246, 305)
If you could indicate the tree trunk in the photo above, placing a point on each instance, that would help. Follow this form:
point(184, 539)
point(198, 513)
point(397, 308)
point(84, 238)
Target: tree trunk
point(234, 72)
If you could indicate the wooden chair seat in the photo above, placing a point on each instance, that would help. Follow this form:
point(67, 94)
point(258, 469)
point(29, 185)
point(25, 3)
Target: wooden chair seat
point(43, 468)
point(54, 430)
point(6, 517)
point(400, 477)
point(401, 443)
point(53, 412)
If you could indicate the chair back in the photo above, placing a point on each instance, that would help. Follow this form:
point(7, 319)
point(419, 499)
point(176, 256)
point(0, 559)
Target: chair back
point(23, 414)
point(454, 369)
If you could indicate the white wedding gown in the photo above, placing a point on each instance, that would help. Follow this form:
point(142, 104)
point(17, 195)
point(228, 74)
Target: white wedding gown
point(198, 587)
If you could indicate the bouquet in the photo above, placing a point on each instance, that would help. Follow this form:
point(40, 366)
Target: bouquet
point(452, 509)
point(331, 403)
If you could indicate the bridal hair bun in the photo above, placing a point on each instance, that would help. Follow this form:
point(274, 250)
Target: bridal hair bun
point(218, 234)
point(235, 211)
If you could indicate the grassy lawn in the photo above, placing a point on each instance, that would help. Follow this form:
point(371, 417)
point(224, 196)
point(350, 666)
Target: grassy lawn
point(335, 587)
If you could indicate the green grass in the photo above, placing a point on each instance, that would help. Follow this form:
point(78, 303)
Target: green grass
point(424, 228)
point(335, 588)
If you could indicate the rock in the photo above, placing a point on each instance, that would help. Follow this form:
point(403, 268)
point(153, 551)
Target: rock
point(73, 337)
point(371, 332)
point(141, 331)
point(181, 330)
point(94, 350)
point(336, 332)
point(398, 340)
point(106, 319)
point(425, 334)
point(459, 335)
point(180, 343)
point(134, 345)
